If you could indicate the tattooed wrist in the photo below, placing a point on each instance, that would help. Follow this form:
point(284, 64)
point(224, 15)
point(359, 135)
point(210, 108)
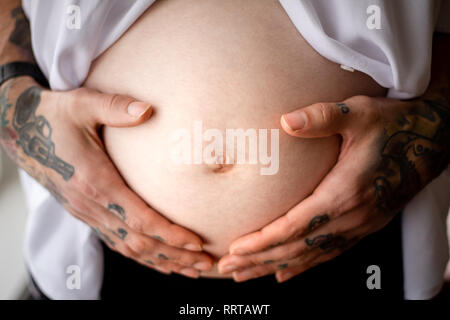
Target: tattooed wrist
point(416, 149)
point(16, 30)
point(27, 137)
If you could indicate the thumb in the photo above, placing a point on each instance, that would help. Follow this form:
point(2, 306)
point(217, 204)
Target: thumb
point(113, 109)
point(317, 120)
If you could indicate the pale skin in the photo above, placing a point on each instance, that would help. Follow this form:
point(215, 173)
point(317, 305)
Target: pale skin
point(127, 225)
point(72, 163)
point(390, 151)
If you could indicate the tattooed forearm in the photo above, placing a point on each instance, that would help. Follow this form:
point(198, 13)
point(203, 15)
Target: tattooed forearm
point(117, 210)
point(35, 133)
point(15, 34)
point(26, 138)
point(416, 149)
point(53, 189)
point(8, 135)
point(4, 106)
point(21, 35)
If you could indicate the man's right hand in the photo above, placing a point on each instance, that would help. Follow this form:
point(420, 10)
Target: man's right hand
point(54, 136)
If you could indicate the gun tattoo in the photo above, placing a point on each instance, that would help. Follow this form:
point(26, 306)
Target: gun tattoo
point(35, 133)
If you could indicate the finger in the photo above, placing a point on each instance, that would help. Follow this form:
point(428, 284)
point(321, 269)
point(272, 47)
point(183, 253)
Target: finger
point(326, 250)
point(231, 263)
point(295, 221)
point(299, 264)
point(258, 271)
point(160, 265)
point(145, 246)
point(116, 243)
point(157, 251)
point(324, 237)
point(315, 259)
point(108, 236)
point(169, 267)
point(322, 119)
point(94, 182)
point(330, 200)
point(113, 110)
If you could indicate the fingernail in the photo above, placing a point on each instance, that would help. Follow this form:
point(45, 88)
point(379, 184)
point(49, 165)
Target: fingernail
point(191, 273)
point(193, 247)
point(227, 268)
point(294, 120)
point(204, 266)
point(137, 108)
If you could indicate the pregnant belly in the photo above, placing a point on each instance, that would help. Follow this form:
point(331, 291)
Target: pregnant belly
point(209, 67)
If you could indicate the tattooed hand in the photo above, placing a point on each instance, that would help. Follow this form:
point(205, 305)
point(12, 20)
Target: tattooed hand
point(54, 136)
point(390, 150)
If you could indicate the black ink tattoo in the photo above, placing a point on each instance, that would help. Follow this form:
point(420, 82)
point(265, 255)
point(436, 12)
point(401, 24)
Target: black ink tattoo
point(162, 256)
point(317, 221)
point(282, 266)
point(158, 238)
point(274, 245)
point(150, 262)
point(8, 135)
point(117, 210)
point(21, 35)
point(416, 149)
point(343, 107)
point(268, 262)
point(105, 237)
point(327, 242)
point(35, 133)
point(120, 233)
point(4, 105)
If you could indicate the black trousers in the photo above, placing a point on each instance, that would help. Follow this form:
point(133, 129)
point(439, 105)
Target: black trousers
point(341, 278)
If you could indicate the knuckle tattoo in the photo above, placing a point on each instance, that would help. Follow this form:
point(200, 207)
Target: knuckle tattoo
point(343, 107)
point(162, 256)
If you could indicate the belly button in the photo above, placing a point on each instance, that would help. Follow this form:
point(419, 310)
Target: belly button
point(221, 168)
point(220, 165)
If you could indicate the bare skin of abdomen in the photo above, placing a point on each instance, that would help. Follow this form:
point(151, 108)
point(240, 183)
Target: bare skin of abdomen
point(229, 64)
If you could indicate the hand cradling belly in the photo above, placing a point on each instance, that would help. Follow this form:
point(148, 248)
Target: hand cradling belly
point(217, 71)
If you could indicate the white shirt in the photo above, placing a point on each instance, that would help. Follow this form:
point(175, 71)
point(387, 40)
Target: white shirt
point(397, 55)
